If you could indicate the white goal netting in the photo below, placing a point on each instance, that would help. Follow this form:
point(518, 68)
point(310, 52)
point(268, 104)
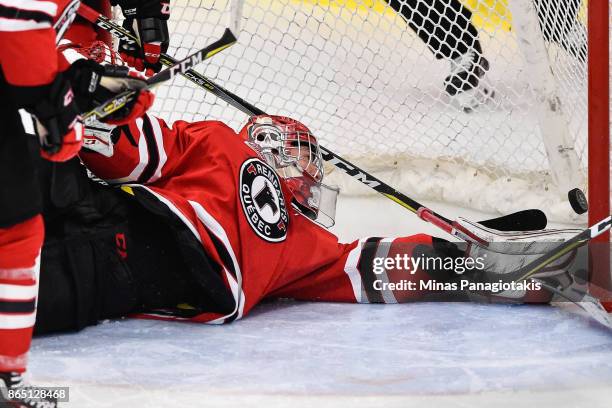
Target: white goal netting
point(363, 76)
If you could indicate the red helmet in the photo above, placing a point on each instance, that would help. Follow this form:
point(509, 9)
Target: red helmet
point(293, 150)
point(290, 142)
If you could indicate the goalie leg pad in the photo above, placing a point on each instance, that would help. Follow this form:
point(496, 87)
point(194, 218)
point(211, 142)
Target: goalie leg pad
point(110, 273)
point(77, 277)
point(105, 257)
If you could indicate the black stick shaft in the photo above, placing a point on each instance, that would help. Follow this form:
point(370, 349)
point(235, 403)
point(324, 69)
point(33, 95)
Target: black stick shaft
point(180, 67)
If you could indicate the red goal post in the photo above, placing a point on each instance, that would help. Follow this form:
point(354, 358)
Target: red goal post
point(599, 137)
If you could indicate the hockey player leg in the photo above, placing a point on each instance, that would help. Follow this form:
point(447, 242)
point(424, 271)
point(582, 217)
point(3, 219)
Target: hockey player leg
point(19, 269)
point(84, 280)
point(445, 27)
point(21, 237)
point(105, 257)
point(466, 83)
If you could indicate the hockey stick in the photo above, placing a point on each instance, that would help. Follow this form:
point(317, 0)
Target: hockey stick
point(344, 165)
point(121, 100)
point(65, 19)
point(200, 80)
point(525, 220)
point(527, 271)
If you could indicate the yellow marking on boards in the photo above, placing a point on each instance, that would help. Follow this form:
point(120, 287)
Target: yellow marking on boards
point(487, 15)
point(379, 6)
point(128, 189)
point(400, 202)
point(490, 15)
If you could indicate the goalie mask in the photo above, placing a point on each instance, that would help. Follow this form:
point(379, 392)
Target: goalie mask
point(290, 147)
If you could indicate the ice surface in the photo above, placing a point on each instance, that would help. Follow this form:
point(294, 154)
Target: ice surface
point(332, 352)
point(328, 355)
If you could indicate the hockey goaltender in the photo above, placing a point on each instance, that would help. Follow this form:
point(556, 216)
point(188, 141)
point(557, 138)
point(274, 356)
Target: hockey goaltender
point(197, 223)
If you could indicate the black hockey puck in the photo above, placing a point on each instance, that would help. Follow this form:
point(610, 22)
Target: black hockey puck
point(578, 201)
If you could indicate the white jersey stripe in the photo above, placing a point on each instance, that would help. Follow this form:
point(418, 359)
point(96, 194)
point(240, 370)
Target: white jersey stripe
point(350, 268)
point(143, 153)
point(12, 25)
point(382, 252)
point(71, 54)
point(18, 362)
point(17, 321)
point(18, 292)
point(159, 140)
point(47, 7)
point(215, 227)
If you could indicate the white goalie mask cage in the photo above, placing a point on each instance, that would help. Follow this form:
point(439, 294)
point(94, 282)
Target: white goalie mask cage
point(290, 147)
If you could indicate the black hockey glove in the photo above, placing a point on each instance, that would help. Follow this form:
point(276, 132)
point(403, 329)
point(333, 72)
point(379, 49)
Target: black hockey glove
point(58, 121)
point(148, 19)
point(94, 84)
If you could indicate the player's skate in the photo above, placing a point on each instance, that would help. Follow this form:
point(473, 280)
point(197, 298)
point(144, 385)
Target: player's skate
point(22, 394)
point(465, 83)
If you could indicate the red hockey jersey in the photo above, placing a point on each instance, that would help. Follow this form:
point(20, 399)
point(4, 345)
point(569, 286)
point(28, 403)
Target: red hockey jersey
point(29, 32)
point(240, 212)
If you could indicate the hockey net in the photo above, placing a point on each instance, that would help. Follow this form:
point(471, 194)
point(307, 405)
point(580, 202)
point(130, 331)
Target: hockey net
point(358, 75)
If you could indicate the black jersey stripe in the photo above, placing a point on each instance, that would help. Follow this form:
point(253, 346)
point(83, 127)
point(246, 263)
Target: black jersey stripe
point(124, 129)
point(226, 259)
point(17, 306)
point(365, 268)
point(152, 148)
point(14, 13)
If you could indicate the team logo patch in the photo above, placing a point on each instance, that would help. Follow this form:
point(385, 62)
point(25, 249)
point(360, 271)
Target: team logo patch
point(262, 200)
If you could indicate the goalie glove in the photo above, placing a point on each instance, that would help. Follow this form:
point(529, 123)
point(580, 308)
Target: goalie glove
point(508, 251)
point(148, 20)
point(94, 84)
